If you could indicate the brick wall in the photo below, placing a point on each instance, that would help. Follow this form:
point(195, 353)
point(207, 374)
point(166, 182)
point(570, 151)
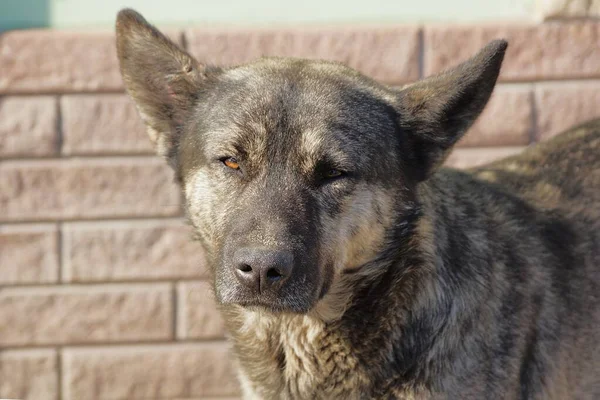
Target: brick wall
point(103, 295)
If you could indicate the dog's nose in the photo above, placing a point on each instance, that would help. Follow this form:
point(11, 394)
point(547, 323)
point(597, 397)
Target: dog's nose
point(262, 269)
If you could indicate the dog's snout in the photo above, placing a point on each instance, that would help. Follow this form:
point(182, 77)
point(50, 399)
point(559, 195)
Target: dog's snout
point(260, 269)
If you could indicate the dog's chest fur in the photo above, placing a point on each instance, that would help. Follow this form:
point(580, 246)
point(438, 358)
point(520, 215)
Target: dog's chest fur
point(295, 357)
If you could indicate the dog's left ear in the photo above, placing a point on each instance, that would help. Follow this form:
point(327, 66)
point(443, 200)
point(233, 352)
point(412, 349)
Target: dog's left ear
point(163, 80)
point(436, 112)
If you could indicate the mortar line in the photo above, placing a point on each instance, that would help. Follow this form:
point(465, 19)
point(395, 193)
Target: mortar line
point(533, 132)
point(421, 47)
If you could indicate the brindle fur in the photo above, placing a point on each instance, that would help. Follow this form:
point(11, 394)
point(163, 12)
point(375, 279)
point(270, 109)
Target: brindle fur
point(412, 281)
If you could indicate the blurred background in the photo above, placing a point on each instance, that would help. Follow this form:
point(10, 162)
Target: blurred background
point(102, 294)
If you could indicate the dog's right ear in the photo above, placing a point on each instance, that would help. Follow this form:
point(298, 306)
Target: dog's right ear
point(437, 111)
point(163, 80)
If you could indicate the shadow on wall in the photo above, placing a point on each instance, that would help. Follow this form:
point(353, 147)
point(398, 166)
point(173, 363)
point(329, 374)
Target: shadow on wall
point(23, 14)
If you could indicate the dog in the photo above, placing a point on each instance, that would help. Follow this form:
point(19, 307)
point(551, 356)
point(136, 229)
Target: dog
point(346, 261)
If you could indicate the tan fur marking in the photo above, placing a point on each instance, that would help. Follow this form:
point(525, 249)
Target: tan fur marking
point(318, 361)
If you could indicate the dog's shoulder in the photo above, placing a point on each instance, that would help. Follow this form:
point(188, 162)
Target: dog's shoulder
point(561, 173)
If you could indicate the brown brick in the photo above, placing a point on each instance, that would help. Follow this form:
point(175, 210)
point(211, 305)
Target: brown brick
point(85, 314)
point(131, 250)
point(467, 158)
point(59, 61)
point(544, 51)
point(560, 106)
point(29, 374)
point(100, 124)
point(149, 372)
point(28, 126)
point(198, 317)
point(506, 120)
point(29, 254)
point(389, 54)
point(48, 60)
point(87, 188)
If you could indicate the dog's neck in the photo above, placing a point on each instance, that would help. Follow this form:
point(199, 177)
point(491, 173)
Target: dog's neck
point(296, 356)
point(292, 356)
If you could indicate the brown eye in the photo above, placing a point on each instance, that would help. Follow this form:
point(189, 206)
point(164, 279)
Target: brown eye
point(232, 163)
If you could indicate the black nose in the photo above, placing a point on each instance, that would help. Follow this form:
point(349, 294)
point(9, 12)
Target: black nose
point(262, 269)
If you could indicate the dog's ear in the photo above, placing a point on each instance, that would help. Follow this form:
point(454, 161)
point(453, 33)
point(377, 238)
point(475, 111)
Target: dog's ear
point(163, 80)
point(436, 111)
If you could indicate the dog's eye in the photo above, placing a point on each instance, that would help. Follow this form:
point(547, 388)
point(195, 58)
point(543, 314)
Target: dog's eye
point(332, 173)
point(231, 162)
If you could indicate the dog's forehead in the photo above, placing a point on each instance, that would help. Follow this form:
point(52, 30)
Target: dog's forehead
point(311, 103)
point(293, 86)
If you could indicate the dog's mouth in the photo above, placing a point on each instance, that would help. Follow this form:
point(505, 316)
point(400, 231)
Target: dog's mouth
point(274, 307)
point(295, 305)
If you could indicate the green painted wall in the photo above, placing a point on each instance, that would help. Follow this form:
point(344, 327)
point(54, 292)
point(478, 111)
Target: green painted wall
point(94, 13)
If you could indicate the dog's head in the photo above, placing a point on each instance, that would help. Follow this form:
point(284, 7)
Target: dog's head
point(294, 171)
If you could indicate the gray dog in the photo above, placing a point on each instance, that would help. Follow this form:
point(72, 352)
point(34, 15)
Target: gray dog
point(346, 262)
